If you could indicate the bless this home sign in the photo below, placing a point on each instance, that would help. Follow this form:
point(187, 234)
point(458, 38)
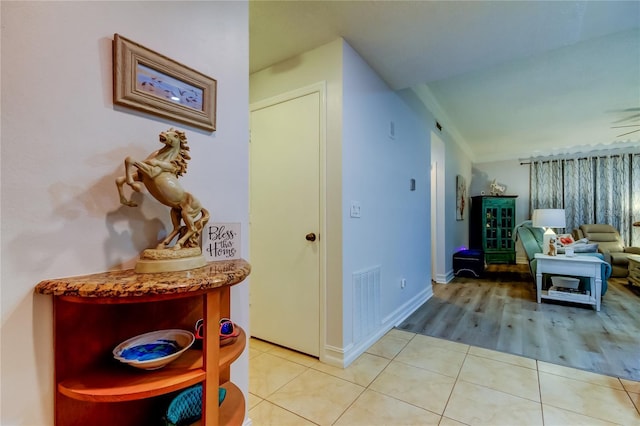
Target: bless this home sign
point(221, 241)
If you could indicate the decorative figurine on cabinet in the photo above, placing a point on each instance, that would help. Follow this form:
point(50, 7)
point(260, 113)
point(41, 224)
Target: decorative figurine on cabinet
point(497, 189)
point(552, 247)
point(159, 173)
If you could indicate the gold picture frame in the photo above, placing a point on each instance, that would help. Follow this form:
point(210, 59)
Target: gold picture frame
point(147, 81)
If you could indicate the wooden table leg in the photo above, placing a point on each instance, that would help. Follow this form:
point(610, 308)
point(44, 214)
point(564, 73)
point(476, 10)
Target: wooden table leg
point(539, 285)
point(211, 347)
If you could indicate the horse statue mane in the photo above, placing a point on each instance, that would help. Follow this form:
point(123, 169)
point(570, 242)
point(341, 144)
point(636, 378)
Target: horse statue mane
point(159, 173)
point(183, 154)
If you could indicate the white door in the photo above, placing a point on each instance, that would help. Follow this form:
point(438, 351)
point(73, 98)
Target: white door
point(285, 222)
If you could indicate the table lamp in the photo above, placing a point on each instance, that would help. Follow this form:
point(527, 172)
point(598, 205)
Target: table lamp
point(547, 219)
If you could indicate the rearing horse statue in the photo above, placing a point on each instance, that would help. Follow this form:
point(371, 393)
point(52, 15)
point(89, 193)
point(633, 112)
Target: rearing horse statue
point(159, 173)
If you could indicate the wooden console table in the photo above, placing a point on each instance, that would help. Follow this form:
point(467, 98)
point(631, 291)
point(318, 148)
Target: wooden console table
point(582, 266)
point(94, 313)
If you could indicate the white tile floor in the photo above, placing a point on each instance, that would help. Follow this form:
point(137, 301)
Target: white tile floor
point(411, 379)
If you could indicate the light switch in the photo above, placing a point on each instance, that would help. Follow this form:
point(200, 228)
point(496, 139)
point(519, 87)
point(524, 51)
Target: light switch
point(355, 209)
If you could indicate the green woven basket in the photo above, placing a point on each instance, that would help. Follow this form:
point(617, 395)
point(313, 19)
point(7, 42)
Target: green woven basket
point(186, 407)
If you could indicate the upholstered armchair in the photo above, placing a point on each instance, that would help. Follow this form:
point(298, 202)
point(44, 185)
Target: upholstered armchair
point(610, 244)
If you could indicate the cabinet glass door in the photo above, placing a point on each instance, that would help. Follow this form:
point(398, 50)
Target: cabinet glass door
point(491, 225)
point(506, 227)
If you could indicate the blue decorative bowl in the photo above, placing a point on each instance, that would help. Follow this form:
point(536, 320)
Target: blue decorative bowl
point(153, 350)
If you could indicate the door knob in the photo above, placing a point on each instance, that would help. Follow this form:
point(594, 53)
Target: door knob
point(310, 236)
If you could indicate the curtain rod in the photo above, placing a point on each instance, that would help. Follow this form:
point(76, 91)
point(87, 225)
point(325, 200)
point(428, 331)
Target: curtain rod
point(548, 159)
point(527, 161)
point(597, 151)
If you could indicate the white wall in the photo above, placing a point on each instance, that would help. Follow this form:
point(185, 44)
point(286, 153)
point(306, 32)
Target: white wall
point(63, 144)
point(510, 173)
point(393, 231)
point(516, 178)
point(364, 165)
point(457, 236)
point(457, 161)
point(323, 64)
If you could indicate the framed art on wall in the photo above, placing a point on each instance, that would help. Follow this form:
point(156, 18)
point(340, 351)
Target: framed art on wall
point(147, 81)
point(461, 195)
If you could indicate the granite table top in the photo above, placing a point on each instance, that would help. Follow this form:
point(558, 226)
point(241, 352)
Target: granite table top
point(128, 283)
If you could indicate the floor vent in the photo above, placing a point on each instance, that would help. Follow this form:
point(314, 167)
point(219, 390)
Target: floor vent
point(366, 303)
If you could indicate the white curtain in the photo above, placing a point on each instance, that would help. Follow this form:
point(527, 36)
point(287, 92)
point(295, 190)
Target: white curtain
point(578, 183)
point(603, 189)
point(635, 199)
point(612, 204)
point(546, 184)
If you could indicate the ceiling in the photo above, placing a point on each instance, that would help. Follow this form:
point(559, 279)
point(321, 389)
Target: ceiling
point(507, 79)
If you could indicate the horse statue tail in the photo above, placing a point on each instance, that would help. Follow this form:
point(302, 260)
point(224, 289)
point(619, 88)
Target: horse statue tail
point(204, 218)
point(194, 239)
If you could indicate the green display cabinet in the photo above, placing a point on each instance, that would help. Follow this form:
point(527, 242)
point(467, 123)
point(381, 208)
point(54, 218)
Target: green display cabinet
point(491, 227)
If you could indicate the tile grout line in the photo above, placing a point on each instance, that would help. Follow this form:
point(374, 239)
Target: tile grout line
point(365, 388)
point(307, 368)
point(289, 381)
point(397, 399)
point(637, 406)
point(446, 404)
point(540, 391)
point(452, 388)
point(458, 380)
point(277, 405)
point(585, 382)
point(466, 354)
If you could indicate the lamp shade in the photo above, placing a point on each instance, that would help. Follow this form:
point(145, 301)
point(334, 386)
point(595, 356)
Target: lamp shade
point(549, 218)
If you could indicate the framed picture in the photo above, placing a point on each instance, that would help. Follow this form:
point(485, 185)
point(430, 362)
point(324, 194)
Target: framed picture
point(461, 195)
point(147, 81)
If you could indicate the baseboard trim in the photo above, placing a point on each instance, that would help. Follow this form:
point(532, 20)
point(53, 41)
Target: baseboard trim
point(404, 311)
point(343, 357)
point(445, 278)
point(334, 356)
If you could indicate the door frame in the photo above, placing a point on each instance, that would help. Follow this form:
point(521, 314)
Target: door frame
point(321, 89)
point(434, 219)
point(439, 218)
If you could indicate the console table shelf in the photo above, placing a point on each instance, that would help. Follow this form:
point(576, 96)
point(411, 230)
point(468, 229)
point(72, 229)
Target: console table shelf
point(93, 313)
point(115, 383)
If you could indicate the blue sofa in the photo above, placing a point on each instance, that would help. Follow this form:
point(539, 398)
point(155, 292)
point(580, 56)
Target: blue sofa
point(531, 239)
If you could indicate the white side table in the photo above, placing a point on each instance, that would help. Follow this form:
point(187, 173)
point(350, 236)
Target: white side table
point(582, 266)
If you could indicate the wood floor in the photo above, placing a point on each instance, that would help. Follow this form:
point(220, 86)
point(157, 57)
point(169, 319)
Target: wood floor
point(499, 311)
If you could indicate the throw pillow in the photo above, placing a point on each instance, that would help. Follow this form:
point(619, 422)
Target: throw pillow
point(581, 248)
point(586, 248)
point(564, 240)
